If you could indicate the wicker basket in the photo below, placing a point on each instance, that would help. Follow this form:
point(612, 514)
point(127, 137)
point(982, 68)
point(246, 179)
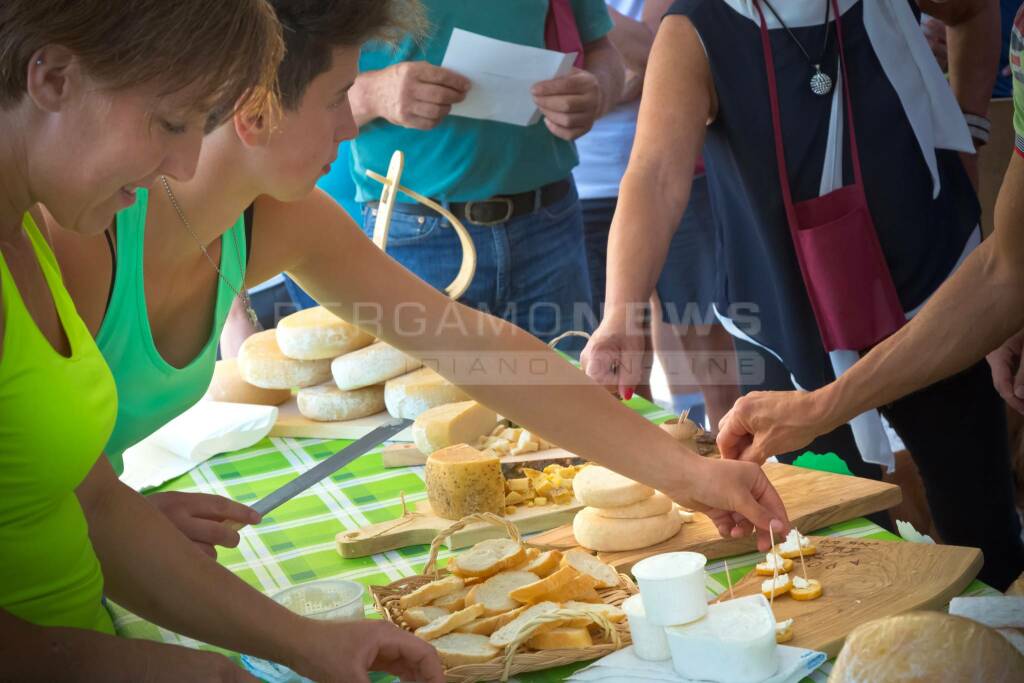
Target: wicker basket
point(615, 636)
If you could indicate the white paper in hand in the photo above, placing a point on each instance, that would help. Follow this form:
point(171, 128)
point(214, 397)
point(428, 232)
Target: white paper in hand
point(202, 431)
point(501, 74)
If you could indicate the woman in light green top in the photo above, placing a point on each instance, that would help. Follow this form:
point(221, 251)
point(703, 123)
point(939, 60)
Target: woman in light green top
point(274, 168)
point(97, 98)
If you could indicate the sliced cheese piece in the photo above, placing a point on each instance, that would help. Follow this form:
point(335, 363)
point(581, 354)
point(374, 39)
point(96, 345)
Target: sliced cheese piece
point(327, 403)
point(805, 589)
point(450, 424)
point(228, 386)
point(463, 481)
point(773, 562)
point(784, 631)
point(261, 363)
point(412, 394)
point(796, 544)
point(459, 649)
point(316, 333)
point(658, 504)
point(734, 643)
point(776, 586)
point(595, 532)
point(561, 638)
point(600, 487)
point(373, 364)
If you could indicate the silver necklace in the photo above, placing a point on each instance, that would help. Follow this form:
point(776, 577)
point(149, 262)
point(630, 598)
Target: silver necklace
point(241, 294)
point(821, 82)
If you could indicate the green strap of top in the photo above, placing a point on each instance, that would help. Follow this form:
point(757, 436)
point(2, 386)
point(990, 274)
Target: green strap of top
point(152, 392)
point(56, 413)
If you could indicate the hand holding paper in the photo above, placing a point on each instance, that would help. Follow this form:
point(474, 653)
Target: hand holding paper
point(570, 103)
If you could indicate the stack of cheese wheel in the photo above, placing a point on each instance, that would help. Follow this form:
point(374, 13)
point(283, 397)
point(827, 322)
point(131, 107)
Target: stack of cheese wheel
point(299, 354)
point(621, 514)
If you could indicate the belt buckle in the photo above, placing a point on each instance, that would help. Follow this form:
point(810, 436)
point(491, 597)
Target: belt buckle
point(510, 207)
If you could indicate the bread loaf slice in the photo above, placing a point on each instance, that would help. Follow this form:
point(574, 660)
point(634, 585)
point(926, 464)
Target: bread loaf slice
point(458, 649)
point(493, 593)
point(417, 617)
point(485, 626)
point(430, 591)
point(510, 631)
point(561, 638)
point(544, 564)
point(448, 623)
point(585, 563)
point(487, 558)
point(453, 601)
point(548, 588)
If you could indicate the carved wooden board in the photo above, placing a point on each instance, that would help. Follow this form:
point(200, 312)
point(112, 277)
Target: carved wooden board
point(290, 422)
point(864, 580)
point(813, 499)
point(424, 525)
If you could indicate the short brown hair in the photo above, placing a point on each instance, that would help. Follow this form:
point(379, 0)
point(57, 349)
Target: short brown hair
point(226, 52)
point(314, 28)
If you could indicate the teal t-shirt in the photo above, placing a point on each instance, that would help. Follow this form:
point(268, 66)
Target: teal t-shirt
point(464, 159)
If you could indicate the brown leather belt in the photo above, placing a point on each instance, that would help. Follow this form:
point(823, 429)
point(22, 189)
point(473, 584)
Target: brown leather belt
point(498, 209)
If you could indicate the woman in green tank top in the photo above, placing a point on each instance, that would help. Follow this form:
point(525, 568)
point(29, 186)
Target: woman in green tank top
point(299, 230)
point(96, 99)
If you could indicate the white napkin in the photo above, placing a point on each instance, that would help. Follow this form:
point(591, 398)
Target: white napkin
point(794, 664)
point(202, 431)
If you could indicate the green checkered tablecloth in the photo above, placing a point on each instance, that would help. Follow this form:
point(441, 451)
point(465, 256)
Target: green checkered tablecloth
point(295, 543)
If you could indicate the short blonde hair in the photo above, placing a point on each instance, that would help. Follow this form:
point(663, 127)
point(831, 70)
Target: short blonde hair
point(224, 52)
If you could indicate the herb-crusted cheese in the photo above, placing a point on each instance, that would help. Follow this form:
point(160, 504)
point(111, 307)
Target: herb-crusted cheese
point(462, 481)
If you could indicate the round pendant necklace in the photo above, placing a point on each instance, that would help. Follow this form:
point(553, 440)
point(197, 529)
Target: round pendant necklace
point(821, 82)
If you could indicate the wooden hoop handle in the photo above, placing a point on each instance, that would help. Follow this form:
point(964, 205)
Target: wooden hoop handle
point(388, 198)
point(489, 517)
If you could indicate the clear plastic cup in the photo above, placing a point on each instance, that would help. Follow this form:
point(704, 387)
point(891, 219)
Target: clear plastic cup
point(325, 600)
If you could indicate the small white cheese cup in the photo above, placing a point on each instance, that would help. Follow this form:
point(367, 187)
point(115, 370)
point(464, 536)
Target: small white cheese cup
point(649, 640)
point(672, 587)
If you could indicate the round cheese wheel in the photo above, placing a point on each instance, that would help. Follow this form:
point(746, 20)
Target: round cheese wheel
point(416, 392)
point(463, 481)
point(658, 504)
point(317, 333)
point(228, 386)
point(373, 364)
point(261, 363)
point(600, 487)
point(327, 403)
point(602, 534)
point(920, 647)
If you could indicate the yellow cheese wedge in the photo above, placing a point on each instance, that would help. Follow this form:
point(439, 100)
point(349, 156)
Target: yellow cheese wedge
point(414, 393)
point(451, 424)
point(462, 481)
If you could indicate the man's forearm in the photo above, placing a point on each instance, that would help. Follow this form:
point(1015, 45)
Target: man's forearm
point(603, 60)
point(150, 568)
point(972, 36)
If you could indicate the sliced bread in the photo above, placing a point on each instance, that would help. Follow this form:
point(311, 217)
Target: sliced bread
point(417, 617)
point(493, 593)
point(457, 649)
point(561, 638)
point(548, 588)
point(510, 631)
point(544, 564)
point(487, 558)
point(429, 592)
point(585, 563)
point(448, 623)
point(453, 602)
point(611, 612)
point(485, 626)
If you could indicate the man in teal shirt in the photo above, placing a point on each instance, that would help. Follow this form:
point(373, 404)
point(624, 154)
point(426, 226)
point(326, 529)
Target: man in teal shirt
point(510, 185)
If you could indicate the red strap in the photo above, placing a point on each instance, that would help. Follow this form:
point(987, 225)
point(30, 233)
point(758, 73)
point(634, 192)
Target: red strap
point(780, 154)
point(561, 32)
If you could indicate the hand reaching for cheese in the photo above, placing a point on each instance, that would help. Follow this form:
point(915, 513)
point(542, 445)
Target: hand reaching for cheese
point(766, 423)
point(200, 517)
point(737, 496)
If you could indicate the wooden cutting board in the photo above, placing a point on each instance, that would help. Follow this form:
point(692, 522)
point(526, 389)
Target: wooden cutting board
point(864, 580)
point(407, 455)
point(290, 422)
point(813, 499)
point(423, 525)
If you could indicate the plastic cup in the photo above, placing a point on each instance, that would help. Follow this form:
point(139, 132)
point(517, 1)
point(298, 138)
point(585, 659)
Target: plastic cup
point(649, 641)
point(672, 587)
point(325, 600)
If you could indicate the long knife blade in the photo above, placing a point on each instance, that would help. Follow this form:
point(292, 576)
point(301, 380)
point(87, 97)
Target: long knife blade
point(331, 465)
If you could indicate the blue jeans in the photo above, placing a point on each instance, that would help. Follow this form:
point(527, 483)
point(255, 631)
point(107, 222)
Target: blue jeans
point(531, 270)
